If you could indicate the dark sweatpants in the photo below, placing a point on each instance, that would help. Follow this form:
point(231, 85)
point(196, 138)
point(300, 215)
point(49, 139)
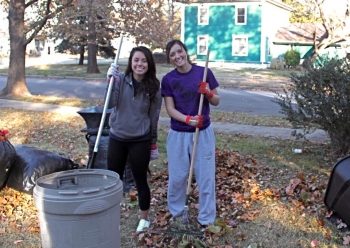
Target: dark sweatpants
point(139, 157)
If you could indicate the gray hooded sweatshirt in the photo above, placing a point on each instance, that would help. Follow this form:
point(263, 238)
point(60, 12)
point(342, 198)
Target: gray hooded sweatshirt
point(133, 116)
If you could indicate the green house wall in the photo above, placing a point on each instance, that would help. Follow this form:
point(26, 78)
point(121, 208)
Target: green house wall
point(220, 29)
point(306, 51)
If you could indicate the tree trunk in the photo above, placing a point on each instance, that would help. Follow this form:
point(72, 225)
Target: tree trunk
point(318, 48)
point(92, 47)
point(81, 55)
point(16, 80)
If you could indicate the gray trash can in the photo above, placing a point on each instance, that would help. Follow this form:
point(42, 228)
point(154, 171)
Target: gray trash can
point(79, 208)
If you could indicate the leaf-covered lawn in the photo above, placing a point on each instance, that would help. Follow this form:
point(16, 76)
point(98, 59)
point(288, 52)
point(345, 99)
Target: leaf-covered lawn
point(263, 200)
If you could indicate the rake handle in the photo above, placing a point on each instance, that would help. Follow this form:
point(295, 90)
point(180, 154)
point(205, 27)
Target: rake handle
point(197, 132)
point(105, 107)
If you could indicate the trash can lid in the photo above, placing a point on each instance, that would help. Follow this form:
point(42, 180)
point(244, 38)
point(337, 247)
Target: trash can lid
point(77, 182)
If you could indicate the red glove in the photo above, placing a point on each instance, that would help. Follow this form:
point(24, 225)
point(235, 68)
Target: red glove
point(196, 121)
point(203, 88)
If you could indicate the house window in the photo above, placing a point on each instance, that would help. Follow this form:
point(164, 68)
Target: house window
point(239, 45)
point(202, 44)
point(203, 15)
point(241, 16)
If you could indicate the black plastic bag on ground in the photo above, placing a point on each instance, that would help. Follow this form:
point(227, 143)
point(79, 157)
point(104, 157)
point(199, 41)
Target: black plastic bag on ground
point(100, 161)
point(32, 163)
point(7, 159)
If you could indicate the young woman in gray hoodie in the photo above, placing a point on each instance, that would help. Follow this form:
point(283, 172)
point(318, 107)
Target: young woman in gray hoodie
point(136, 101)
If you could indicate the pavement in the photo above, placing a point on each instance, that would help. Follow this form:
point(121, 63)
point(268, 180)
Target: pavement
point(219, 127)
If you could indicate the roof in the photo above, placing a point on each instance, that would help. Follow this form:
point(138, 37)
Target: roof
point(278, 3)
point(299, 33)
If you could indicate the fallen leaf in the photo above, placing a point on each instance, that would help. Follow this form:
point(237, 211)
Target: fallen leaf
point(254, 245)
point(18, 241)
point(341, 225)
point(268, 225)
point(133, 195)
point(329, 214)
point(346, 240)
point(292, 185)
point(314, 243)
point(214, 229)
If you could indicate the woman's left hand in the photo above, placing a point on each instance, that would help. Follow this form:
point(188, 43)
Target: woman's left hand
point(154, 152)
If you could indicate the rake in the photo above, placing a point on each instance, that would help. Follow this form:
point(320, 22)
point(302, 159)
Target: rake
point(185, 220)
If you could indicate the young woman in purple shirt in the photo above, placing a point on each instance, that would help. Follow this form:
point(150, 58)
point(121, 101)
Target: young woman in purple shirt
point(181, 89)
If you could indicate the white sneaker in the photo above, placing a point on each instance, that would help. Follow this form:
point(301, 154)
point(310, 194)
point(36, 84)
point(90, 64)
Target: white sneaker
point(142, 225)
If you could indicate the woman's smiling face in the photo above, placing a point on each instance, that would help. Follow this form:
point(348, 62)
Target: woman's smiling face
point(177, 55)
point(139, 65)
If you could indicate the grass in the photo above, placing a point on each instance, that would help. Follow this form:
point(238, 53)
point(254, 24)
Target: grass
point(278, 224)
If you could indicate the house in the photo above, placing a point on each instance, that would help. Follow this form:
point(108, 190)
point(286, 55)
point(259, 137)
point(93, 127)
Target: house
point(301, 37)
point(235, 31)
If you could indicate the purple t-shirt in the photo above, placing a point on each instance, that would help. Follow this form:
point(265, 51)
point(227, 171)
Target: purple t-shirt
point(183, 88)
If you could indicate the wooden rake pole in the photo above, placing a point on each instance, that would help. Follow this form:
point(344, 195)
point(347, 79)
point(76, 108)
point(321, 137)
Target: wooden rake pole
point(189, 180)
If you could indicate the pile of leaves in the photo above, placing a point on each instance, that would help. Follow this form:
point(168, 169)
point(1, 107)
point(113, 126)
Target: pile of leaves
point(241, 184)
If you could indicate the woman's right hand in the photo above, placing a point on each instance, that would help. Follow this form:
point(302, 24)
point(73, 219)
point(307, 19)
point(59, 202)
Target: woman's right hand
point(113, 71)
point(196, 121)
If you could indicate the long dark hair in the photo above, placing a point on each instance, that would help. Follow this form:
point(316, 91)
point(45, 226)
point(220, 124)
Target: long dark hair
point(150, 83)
point(170, 44)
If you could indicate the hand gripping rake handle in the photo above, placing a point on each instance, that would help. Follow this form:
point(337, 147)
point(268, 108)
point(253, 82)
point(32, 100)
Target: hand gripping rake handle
point(108, 95)
point(193, 157)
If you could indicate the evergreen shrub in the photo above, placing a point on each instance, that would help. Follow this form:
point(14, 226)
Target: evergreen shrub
point(292, 58)
point(319, 98)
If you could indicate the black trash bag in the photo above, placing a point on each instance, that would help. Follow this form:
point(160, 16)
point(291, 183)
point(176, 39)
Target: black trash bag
point(100, 161)
point(7, 159)
point(32, 163)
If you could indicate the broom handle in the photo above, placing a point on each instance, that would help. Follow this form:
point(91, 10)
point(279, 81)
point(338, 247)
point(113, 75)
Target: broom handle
point(102, 122)
point(197, 129)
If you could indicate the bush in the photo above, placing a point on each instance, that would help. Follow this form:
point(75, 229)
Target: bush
point(292, 58)
point(277, 64)
point(159, 58)
point(322, 97)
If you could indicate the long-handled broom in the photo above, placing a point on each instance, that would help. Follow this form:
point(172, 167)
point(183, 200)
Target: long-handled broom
point(184, 220)
point(108, 95)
